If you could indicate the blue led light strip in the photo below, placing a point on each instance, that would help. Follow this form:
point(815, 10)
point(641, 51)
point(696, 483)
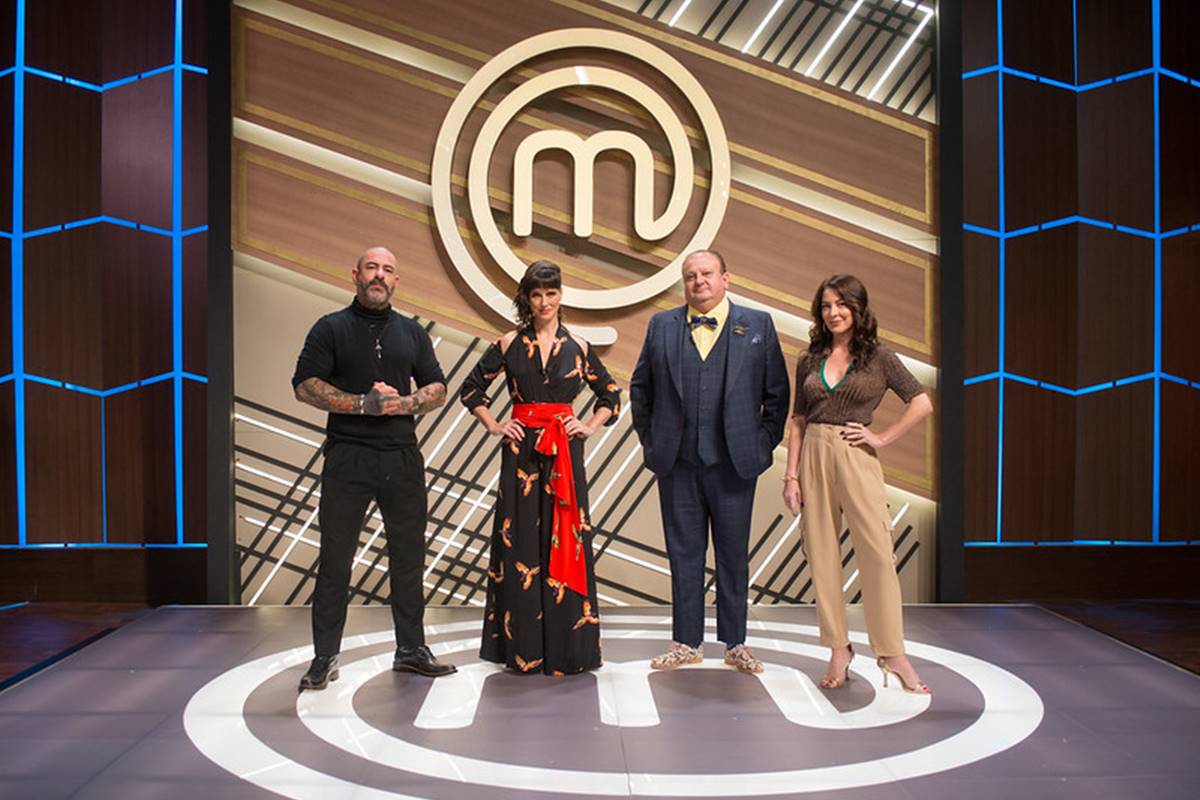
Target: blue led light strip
point(1156, 70)
point(1002, 247)
point(1092, 389)
point(113, 84)
point(18, 264)
point(104, 218)
point(1085, 543)
point(104, 546)
point(1156, 463)
point(177, 261)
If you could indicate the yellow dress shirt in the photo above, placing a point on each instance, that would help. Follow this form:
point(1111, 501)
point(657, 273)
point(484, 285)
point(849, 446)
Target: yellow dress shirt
point(704, 336)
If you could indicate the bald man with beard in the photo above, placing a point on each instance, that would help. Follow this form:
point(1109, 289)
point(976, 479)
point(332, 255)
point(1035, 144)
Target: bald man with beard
point(360, 364)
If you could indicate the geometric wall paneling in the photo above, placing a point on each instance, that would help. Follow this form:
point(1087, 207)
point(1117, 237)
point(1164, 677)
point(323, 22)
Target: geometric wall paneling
point(981, 276)
point(1180, 114)
point(978, 38)
point(1094, 281)
point(136, 152)
point(1037, 503)
point(1180, 299)
point(1040, 292)
point(6, 309)
point(980, 452)
point(194, 165)
point(6, 138)
point(64, 476)
point(138, 461)
point(1116, 153)
point(1114, 301)
point(1180, 466)
point(62, 153)
point(1034, 32)
point(8, 461)
point(1116, 38)
point(1180, 31)
point(195, 302)
point(96, 240)
point(1040, 172)
point(981, 171)
point(1113, 483)
point(195, 463)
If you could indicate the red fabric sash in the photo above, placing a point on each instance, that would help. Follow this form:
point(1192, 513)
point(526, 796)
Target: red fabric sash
point(566, 545)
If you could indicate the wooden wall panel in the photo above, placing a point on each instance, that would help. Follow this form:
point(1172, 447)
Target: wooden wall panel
point(139, 461)
point(60, 36)
point(1181, 298)
point(1040, 432)
point(1038, 37)
point(1027, 574)
point(979, 36)
point(981, 168)
point(1113, 487)
point(5, 310)
point(979, 473)
point(6, 133)
point(1116, 153)
point(135, 299)
point(1180, 467)
point(1041, 301)
point(195, 462)
point(877, 157)
point(195, 151)
point(1180, 32)
point(195, 32)
point(8, 466)
point(147, 577)
point(1113, 38)
point(1180, 106)
point(62, 153)
point(981, 277)
point(63, 481)
point(1040, 170)
point(136, 152)
point(61, 273)
point(8, 25)
point(1115, 302)
point(195, 304)
point(136, 36)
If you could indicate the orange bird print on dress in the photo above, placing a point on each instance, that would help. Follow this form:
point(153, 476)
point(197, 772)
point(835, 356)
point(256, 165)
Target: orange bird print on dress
point(504, 532)
point(527, 666)
point(558, 587)
point(588, 618)
point(498, 575)
point(527, 574)
point(526, 481)
point(507, 629)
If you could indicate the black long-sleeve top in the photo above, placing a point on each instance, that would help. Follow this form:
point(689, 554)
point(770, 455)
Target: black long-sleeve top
point(351, 349)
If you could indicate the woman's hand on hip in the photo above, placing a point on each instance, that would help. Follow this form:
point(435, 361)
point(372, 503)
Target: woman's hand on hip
point(856, 433)
point(577, 429)
point(512, 429)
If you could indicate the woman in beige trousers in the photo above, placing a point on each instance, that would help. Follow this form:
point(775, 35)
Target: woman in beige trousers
point(832, 469)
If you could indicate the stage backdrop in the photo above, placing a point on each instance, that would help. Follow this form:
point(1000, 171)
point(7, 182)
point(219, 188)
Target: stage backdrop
point(792, 137)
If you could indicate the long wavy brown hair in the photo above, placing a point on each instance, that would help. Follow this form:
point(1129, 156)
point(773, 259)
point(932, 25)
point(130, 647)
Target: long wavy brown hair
point(541, 274)
point(865, 338)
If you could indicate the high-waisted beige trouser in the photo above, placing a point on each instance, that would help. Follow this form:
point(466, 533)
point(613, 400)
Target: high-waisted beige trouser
point(836, 478)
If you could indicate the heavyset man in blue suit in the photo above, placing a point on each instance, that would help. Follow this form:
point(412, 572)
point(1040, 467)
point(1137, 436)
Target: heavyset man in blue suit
point(709, 397)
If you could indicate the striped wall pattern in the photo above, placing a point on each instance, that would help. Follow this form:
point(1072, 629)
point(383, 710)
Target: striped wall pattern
point(882, 50)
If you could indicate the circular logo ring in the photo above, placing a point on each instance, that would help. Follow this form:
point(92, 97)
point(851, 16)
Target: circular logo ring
point(1012, 710)
point(501, 64)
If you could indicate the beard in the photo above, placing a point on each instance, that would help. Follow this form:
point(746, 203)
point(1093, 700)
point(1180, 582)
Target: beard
point(374, 294)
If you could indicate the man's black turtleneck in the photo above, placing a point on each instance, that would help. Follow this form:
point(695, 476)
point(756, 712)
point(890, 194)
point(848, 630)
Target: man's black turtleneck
point(356, 346)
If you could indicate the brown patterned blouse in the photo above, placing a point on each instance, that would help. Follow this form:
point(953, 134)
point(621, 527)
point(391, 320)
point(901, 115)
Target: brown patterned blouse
point(856, 396)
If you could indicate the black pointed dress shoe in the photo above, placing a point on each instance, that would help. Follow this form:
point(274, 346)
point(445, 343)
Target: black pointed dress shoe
point(418, 659)
point(321, 671)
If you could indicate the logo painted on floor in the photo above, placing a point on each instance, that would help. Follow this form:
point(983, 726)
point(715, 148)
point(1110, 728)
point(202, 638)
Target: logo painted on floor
point(622, 705)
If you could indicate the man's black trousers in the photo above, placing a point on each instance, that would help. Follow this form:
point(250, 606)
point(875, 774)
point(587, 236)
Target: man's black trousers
point(352, 478)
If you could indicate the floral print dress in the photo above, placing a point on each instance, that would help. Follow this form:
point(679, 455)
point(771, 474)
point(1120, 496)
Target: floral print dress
point(533, 623)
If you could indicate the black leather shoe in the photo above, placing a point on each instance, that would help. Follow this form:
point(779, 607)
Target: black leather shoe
point(418, 659)
point(321, 671)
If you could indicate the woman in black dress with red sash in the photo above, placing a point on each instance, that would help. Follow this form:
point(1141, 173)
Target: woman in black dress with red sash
point(541, 613)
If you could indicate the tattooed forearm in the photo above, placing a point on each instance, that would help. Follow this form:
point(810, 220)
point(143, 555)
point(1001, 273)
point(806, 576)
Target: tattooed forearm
point(327, 397)
point(425, 399)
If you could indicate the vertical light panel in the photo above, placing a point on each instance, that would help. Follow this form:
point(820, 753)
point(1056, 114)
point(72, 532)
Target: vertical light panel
point(18, 265)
